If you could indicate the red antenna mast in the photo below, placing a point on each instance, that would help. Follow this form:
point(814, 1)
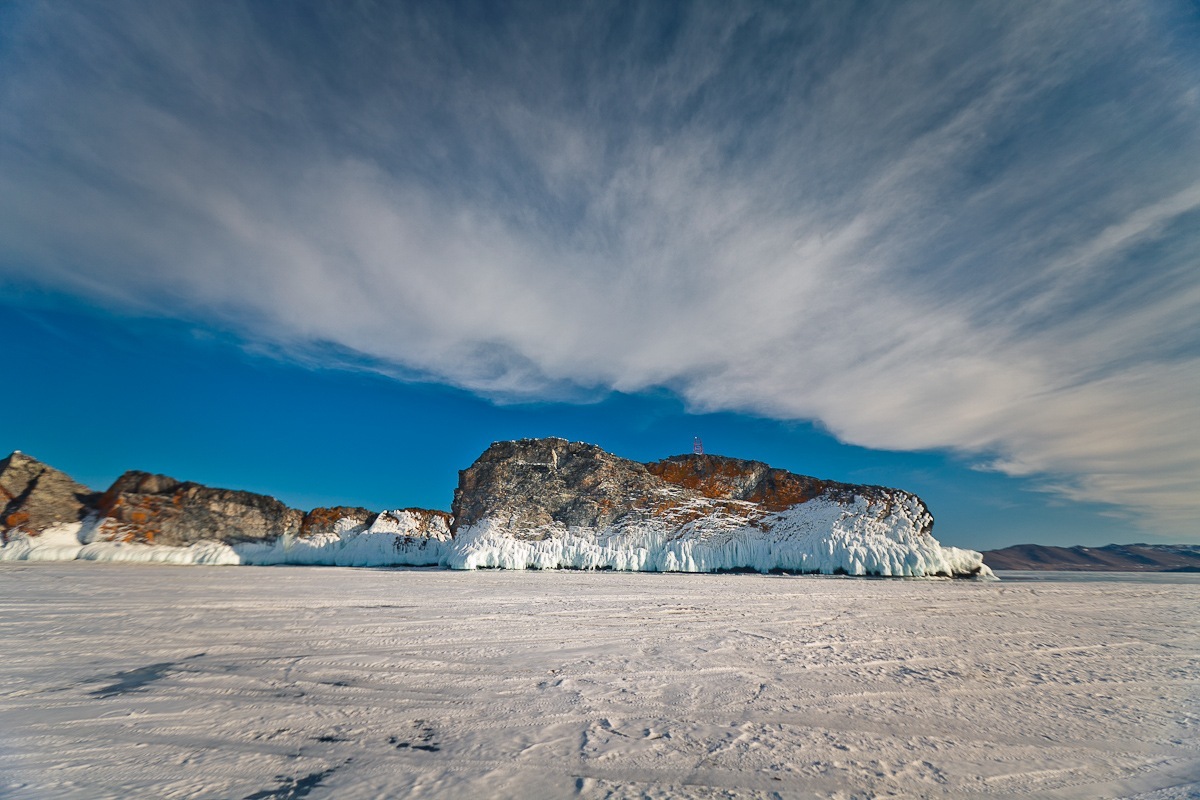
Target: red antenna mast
point(697, 446)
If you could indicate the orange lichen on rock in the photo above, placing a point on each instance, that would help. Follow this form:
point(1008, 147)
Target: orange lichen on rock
point(135, 518)
point(711, 476)
point(109, 502)
point(36, 496)
point(320, 518)
point(15, 519)
point(780, 489)
point(324, 520)
point(722, 478)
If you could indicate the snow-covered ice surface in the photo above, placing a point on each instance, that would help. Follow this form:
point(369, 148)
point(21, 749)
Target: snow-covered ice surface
point(132, 681)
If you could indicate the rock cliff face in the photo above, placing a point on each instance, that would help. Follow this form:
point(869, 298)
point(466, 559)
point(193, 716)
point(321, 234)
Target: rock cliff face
point(535, 483)
point(156, 509)
point(547, 503)
point(34, 496)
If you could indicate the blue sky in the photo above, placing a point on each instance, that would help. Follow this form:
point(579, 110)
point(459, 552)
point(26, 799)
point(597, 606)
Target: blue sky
point(331, 251)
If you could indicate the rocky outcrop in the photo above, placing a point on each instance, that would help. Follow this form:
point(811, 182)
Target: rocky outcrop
point(536, 483)
point(34, 496)
point(147, 517)
point(547, 503)
point(156, 509)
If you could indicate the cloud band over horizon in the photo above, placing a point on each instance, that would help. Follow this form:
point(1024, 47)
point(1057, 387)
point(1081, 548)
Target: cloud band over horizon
point(968, 227)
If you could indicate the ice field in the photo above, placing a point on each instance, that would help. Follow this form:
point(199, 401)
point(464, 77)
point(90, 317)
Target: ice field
point(273, 683)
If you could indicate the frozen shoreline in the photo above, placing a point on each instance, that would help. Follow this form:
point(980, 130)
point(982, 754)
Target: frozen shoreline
point(139, 681)
point(817, 537)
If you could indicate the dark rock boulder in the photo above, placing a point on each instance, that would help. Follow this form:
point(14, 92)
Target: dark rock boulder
point(34, 496)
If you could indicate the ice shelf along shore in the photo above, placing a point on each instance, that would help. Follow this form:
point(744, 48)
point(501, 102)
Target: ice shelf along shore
point(124, 681)
point(816, 537)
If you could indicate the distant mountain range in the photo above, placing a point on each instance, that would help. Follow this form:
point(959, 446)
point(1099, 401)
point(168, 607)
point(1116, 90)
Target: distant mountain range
point(1110, 558)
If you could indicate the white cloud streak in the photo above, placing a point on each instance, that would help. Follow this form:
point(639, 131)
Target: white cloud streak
point(924, 227)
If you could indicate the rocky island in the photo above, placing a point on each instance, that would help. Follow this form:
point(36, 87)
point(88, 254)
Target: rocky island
point(528, 504)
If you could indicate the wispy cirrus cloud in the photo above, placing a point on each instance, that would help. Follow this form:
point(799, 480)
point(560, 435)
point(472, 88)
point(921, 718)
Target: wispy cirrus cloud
point(925, 227)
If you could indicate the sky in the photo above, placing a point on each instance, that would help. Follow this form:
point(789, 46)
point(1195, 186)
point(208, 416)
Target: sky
point(330, 251)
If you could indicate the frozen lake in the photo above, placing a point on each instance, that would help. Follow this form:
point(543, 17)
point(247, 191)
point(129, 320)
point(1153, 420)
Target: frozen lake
point(281, 683)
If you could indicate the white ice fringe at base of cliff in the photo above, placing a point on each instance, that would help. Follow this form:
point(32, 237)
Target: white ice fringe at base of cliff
point(818, 536)
point(396, 538)
point(76, 541)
